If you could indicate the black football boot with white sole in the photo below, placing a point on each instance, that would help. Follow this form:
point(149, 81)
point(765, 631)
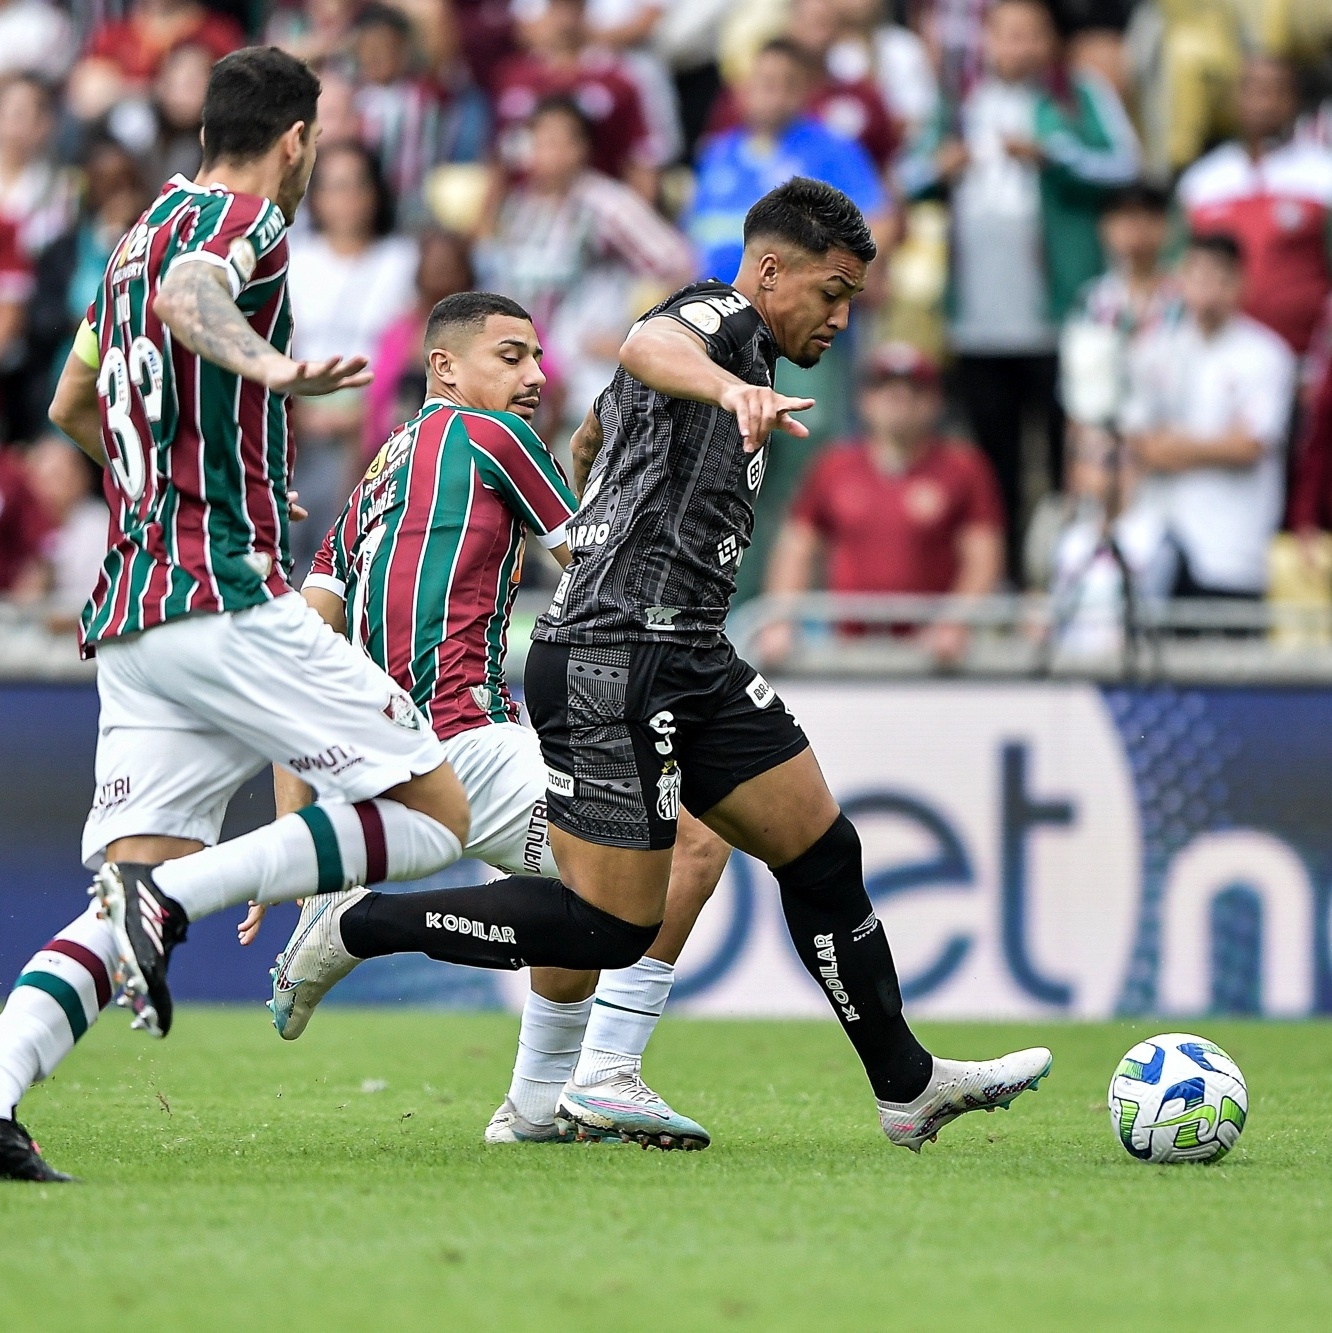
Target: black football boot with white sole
point(21, 1158)
point(147, 926)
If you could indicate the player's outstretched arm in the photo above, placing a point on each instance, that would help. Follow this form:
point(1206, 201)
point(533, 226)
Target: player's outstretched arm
point(74, 408)
point(665, 356)
point(195, 303)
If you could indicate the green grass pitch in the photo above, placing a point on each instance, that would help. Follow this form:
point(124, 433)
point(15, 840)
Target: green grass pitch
point(233, 1182)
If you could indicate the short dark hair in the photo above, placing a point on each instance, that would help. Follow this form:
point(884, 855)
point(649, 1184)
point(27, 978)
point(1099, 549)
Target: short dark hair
point(812, 215)
point(1138, 197)
point(379, 15)
point(254, 97)
point(561, 104)
point(469, 311)
point(1220, 245)
point(382, 222)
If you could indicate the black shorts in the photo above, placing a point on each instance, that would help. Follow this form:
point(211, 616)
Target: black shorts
point(629, 733)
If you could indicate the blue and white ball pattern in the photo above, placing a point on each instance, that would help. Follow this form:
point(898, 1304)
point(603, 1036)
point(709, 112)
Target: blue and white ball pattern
point(1178, 1098)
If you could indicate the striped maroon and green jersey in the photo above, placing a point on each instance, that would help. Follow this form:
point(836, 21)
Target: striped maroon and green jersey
point(427, 554)
point(198, 458)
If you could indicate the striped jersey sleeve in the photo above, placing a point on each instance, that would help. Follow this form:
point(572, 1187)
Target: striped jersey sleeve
point(329, 568)
point(236, 233)
point(515, 463)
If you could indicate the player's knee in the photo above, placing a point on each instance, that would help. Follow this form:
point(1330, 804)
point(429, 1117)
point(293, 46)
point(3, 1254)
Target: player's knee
point(834, 861)
point(612, 942)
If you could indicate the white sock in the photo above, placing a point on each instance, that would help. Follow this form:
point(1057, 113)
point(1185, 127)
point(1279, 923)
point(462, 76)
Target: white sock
point(55, 1000)
point(625, 1011)
point(321, 849)
point(548, 1045)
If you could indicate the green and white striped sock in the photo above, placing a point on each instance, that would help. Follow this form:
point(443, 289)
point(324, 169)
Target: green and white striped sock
point(321, 849)
point(56, 999)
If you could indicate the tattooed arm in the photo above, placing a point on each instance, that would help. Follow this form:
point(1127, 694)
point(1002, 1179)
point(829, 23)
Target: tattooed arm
point(195, 303)
point(585, 446)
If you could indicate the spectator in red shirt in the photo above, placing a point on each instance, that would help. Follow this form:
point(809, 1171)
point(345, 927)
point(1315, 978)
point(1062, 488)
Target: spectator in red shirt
point(23, 531)
point(1311, 489)
point(557, 60)
point(1272, 192)
point(903, 510)
point(123, 56)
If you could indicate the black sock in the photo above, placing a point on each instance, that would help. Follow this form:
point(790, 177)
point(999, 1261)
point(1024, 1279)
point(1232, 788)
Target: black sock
point(521, 921)
point(844, 948)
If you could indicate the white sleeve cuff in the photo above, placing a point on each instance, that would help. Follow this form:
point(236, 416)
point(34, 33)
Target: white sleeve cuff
point(555, 537)
point(208, 257)
point(329, 584)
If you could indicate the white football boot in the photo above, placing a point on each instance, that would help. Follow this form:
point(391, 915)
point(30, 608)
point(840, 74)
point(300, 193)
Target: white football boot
point(509, 1125)
point(313, 962)
point(622, 1107)
point(959, 1086)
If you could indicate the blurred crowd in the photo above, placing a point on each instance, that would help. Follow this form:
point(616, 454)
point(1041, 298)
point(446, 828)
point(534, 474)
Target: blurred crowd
point(1098, 335)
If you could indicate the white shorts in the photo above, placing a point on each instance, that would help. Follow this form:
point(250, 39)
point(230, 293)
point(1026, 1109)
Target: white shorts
point(504, 776)
point(194, 708)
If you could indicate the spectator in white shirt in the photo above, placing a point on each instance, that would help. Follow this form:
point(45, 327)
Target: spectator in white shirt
point(1208, 409)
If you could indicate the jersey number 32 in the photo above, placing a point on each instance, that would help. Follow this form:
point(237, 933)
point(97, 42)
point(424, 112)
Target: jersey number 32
point(119, 377)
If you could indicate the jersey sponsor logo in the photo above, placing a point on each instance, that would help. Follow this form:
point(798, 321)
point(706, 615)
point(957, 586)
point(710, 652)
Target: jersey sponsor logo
point(336, 759)
point(832, 979)
point(760, 692)
point(402, 712)
point(241, 255)
point(534, 843)
point(559, 783)
point(259, 562)
point(663, 724)
point(129, 261)
point(661, 616)
point(728, 550)
point(112, 793)
point(588, 534)
point(392, 455)
point(668, 791)
point(461, 925)
point(758, 465)
point(381, 504)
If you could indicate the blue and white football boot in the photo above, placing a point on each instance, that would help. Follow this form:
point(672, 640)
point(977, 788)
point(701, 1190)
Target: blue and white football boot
point(621, 1106)
point(959, 1086)
point(313, 962)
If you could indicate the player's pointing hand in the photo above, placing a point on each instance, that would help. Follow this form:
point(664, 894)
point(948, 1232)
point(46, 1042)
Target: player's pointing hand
point(313, 379)
point(759, 411)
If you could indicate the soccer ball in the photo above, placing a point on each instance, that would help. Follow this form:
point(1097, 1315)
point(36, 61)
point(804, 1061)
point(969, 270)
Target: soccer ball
point(1178, 1098)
